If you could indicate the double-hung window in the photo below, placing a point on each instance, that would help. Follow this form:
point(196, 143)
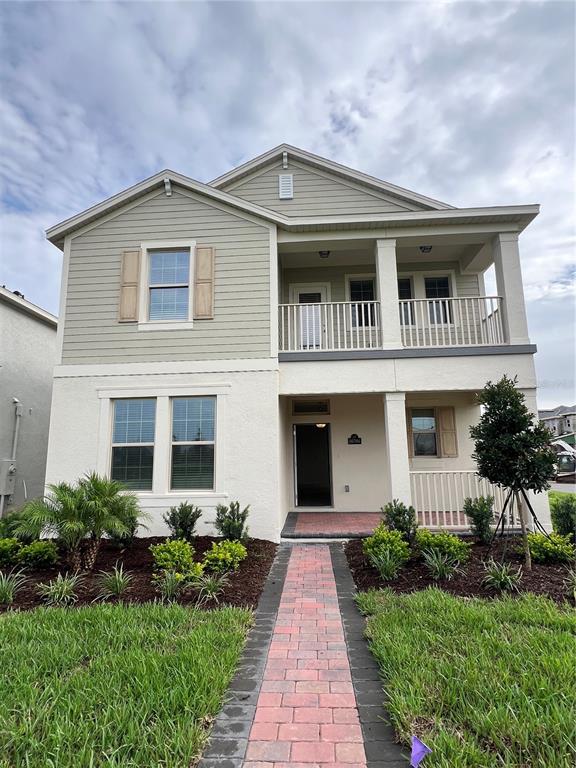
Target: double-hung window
point(438, 288)
point(133, 442)
point(362, 291)
point(169, 284)
point(193, 439)
point(405, 294)
point(424, 432)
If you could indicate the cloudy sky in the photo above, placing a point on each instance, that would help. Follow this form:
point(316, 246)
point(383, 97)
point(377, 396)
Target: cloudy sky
point(467, 102)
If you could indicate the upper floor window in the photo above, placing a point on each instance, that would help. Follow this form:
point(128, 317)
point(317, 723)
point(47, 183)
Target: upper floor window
point(405, 294)
point(362, 290)
point(133, 442)
point(169, 284)
point(438, 288)
point(193, 440)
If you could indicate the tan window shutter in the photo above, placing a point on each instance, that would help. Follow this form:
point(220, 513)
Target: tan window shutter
point(204, 283)
point(409, 432)
point(128, 305)
point(447, 429)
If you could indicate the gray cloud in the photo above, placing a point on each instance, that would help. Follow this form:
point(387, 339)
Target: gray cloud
point(469, 102)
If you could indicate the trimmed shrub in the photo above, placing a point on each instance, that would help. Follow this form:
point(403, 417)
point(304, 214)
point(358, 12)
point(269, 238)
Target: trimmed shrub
point(39, 554)
point(480, 512)
point(231, 521)
point(9, 549)
point(551, 548)
point(225, 556)
point(181, 521)
point(563, 512)
point(398, 517)
point(175, 555)
point(447, 543)
point(501, 576)
point(383, 540)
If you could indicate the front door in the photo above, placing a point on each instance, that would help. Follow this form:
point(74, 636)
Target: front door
point(309, 314)
point(312, 462)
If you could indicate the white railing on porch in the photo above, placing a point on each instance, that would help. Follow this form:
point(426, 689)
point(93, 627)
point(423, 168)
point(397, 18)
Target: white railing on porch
point(454, 322)
point(438, 498)
point(329, 326)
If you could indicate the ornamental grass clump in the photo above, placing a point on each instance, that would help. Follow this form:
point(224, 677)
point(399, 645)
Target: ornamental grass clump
point(502, 577)
point(225, 556)
point(480, 512)
point(398, 517)
point(210, 587)
point(114, 583)
point(10, 583)
point(170, 585)
point(231, 521)
point(60, 591)
point(181, 521)
point(441, 565)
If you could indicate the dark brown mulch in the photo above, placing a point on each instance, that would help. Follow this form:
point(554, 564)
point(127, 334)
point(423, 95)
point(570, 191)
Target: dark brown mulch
point(542, 580)
point(243, 589)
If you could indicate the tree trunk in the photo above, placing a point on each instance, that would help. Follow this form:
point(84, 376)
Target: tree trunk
point(520, 507)
point(91, 553)
point(74, 559)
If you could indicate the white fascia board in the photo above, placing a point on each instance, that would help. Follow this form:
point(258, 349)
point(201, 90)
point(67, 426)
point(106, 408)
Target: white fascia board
point(22, 305)
point(57, 233)
point(329, 165)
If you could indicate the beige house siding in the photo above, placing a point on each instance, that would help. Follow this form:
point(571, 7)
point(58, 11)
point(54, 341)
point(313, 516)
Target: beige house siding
point(316, 193)
point(241, 324)
point(466, 285)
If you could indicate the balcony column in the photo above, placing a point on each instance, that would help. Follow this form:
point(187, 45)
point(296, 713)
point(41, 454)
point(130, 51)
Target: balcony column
point(510, 288)
point(396, 438)
point(387, 280)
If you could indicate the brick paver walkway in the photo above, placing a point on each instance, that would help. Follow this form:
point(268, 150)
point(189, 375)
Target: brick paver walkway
point(337, 523)
point(306, 714)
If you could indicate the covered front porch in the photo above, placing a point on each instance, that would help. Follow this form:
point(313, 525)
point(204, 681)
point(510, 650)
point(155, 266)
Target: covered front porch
point(346, 456)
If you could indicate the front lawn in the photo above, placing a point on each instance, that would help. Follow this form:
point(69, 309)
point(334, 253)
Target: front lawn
point(485, 683)
point(113, 685)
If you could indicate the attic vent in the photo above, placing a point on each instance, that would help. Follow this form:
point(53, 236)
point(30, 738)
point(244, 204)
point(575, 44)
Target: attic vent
point(300, 407)
point(285, 186)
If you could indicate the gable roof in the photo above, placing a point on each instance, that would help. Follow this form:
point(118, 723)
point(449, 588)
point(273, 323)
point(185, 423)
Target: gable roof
point(17, 301)
point(323, 163)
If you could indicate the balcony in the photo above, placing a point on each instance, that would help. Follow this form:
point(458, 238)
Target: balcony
point(424, 323)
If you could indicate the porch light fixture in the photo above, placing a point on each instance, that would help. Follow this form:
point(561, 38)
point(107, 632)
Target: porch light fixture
point(323, 254)
point(320, 426)
point(424, 248)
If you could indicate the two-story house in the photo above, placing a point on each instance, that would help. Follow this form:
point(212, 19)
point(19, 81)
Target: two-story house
point(296, 335)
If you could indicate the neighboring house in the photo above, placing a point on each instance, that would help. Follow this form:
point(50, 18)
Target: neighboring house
point(27, 358)
point(295, 335)
point(560, 420)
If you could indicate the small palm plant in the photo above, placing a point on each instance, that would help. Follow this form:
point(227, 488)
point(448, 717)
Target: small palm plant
point(59, 514)
point(107, 508)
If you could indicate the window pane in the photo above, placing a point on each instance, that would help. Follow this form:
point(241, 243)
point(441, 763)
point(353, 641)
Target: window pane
point(169, 267)
point(425, 444)
point(437, 287)
point(423, 420)
point(192, 466)
point(134, 421)
point(404, 288)
point(362, 290)
point(168, 303)
point(133, 466)
point(193, 418)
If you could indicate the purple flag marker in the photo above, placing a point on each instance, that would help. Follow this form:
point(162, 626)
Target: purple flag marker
point(419, 752)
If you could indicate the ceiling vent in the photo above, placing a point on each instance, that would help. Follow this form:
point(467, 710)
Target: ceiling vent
point(307, 407)
point(285, 186)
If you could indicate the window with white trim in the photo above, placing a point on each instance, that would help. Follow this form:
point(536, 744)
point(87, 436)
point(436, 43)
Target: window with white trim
point(438, 288)
point(424, 431)
point(193, 443)
point(405, 294)
point(133, 442)
point(362, 290)
point(169, 284)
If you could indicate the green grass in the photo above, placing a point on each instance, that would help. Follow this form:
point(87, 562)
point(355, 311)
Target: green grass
point(485, 684)
point(552, 495)
point(112, 685)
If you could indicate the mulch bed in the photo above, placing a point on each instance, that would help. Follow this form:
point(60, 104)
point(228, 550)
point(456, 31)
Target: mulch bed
point(243, 589)
point(542, 580)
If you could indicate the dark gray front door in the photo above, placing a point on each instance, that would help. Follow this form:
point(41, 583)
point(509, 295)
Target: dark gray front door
point(312, 460)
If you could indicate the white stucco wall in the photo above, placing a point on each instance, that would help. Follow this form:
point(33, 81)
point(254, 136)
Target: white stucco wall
point(27, 358)
point(247, 445)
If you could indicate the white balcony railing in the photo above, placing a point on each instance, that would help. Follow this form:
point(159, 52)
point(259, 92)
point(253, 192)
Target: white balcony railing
point(438, 498)
point(455, 322)
point(329, 326)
